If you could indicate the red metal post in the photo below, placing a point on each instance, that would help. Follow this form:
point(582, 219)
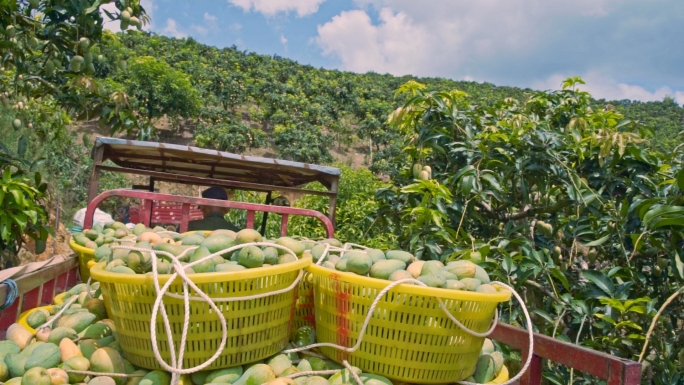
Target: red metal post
point(283, 225)
point(61, 282)
point(8, 317)
point(32, 299)
point(250, 219)
point(185, 217)
point(146, 211)
point(48, 293)
point(72, 278)
point(534, 373)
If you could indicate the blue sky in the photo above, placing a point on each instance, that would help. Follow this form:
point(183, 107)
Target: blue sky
point(624, 49)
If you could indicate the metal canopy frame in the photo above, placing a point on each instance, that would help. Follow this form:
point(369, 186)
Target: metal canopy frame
point(205, 167)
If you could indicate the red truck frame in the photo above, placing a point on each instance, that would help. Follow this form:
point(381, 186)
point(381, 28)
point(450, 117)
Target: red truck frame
point(39, 288)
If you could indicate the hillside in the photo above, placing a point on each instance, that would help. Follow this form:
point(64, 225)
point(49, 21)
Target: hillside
point(249, 101)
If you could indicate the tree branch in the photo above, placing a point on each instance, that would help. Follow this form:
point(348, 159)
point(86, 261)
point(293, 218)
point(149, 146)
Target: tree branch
point(529, 212)
point(545, 291)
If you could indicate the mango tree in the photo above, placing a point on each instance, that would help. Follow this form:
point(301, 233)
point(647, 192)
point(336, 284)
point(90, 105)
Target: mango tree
point(559, 198)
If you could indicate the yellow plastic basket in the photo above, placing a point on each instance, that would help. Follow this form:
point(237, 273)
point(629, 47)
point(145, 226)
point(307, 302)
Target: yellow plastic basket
point(84, 256)
point(257, 328)
point(409, 338)
point(304, 309)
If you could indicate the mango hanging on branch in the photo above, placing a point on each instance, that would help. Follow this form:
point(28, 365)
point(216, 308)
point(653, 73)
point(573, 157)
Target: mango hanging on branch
point(546, 229)
point(135, 22)
point(84, 43)
point(17, 123)
point(10, 31)
point(417, 168)
point(75, 63)
point(428, 169)
point(125, 20)
point(34, 43)
point(591, 255)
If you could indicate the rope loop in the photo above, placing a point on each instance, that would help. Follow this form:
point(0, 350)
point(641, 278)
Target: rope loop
point(12, 293)
point(176, 358)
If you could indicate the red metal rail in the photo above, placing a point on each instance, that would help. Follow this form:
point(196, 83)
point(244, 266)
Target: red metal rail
point(617, 371)
point(165, 213)
point(38, 289)
point(147, 198)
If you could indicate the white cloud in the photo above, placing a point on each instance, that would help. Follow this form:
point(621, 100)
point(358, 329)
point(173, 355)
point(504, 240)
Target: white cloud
point(602, 86)
point(436, 37)
point(209, 25)
point(396, 45)
point(235, 27)
point(272, 7)
point(512, 42)
point(283, 40)
point(199, 29)
point(171, 29)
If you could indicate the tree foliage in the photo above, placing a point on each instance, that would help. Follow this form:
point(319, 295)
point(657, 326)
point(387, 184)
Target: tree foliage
point(558, 197)
point(159, 90)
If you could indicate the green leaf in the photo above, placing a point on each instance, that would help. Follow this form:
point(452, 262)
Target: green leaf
point(491, 179)
point(598, 242)
point(508, 264)
point(94, 7)
point(605, 318)
point(558, 274)
point(40, 246)
point(678, 265)
point(21, 146)
point(677, 220)
point(544, 315)
point(599, 279)
point(680, 179)
point(7, 175)
point(661, 210)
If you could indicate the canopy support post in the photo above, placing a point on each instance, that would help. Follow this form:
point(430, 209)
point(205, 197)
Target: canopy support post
point(264, 217)
point(333, 200)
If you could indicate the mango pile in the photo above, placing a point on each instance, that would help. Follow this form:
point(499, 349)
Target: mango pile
point(395, 265)
point(122, 261)
point(82, 339)
point(489, 364)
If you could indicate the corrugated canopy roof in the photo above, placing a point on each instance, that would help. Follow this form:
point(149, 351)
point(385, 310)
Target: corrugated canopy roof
point(206, 163)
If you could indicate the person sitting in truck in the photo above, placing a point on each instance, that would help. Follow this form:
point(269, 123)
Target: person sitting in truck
point(214, 217)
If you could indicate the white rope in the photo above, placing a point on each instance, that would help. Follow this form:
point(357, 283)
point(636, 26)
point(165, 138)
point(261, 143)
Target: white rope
point(444, 309)
point(65, 307)
point(89, 373)
point(530, 333)
point(314, 373)
point(176, 364)
point(351, 370)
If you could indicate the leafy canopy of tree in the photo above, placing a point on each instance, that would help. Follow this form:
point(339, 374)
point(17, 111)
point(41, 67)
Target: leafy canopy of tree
point(557, 197)
point(49, 57)
point(160, 90)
